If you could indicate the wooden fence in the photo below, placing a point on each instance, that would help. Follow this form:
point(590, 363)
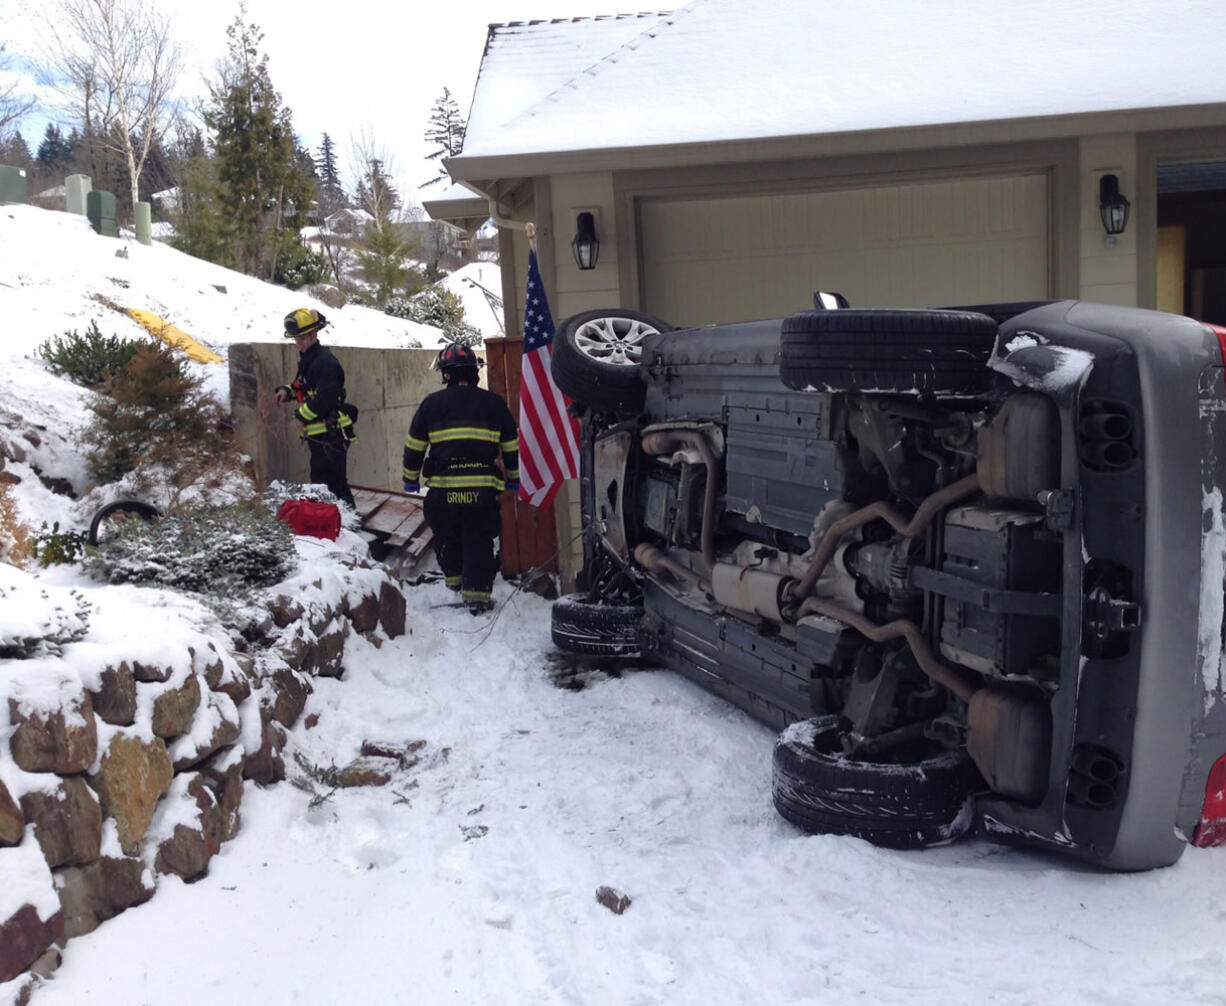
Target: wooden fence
point(529, 534)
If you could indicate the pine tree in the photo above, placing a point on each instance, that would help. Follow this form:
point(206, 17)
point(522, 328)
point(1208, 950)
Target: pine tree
point(262, 188)
point(331, 191)
point(383, 257)
point(15, 151)
point(446, 130)
point(54, 153)
point(376, 193)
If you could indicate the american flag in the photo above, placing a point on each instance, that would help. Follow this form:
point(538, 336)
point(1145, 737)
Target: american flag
point(548, 435)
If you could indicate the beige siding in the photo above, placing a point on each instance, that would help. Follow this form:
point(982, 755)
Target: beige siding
point(923, 244)
point(1108, 265)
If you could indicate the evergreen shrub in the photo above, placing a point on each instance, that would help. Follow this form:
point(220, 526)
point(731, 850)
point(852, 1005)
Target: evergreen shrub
point(217, 550)
point(154, 412)
point(445, 311)
point(299, 266)
point(53, 547)
point(15, 544)
point(87, 359)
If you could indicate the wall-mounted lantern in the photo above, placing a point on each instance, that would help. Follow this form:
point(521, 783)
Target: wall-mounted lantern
point(1112, 206)
point(586, 245)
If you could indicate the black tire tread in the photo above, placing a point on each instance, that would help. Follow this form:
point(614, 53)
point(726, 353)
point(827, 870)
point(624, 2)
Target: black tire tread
point(893, 351)
point(580, 625)
point(895, 806)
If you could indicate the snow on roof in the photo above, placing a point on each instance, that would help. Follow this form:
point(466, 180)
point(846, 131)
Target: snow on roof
point(726, 70)
point(456, 192)
point(525, 62)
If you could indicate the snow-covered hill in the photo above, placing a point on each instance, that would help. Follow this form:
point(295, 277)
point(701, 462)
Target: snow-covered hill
point(57, 275)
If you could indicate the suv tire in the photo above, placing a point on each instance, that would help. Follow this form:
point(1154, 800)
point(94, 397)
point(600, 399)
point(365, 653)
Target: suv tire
point(896, 352)
point(899, 806)
point(596, 357)
point(113, 513)
point(581, 625)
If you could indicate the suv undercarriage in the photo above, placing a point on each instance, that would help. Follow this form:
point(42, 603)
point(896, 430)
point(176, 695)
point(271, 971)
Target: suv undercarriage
point(969, 562)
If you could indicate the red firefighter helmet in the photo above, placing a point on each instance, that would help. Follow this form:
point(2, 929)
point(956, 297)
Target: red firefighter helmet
point(455, 355)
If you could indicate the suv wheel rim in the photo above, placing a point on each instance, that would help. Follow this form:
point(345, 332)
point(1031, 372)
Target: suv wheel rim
point(616, 341)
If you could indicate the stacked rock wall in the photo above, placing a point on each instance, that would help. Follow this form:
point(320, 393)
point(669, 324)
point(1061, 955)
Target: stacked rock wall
point(117, 771)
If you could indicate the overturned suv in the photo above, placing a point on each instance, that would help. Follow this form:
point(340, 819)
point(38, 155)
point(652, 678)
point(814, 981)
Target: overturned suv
point(969, 562)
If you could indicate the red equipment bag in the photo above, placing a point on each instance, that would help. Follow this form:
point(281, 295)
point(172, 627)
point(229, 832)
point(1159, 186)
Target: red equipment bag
point(311, 517)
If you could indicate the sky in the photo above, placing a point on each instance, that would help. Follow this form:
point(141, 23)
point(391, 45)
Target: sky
point(362, 68)
point(472, 876)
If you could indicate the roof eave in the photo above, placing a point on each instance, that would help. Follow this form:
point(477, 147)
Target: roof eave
point(466, 213)
point(478, 170)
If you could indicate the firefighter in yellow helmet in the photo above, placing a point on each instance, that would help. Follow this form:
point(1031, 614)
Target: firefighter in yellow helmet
point(319, 389)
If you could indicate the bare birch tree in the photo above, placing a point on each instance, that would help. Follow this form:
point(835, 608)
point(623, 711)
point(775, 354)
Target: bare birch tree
point(116, 62)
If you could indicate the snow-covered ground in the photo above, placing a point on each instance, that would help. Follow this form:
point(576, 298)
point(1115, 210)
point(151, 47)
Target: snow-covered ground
point(470, 283)
point(472, 877)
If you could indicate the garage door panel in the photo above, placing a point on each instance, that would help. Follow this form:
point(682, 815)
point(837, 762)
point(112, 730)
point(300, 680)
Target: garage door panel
point(957, 241)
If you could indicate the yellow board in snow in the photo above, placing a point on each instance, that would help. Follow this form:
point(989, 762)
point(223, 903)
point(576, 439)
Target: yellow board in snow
point(174, 336)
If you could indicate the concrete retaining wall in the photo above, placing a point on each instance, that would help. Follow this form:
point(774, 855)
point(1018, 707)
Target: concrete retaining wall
point(387, 385)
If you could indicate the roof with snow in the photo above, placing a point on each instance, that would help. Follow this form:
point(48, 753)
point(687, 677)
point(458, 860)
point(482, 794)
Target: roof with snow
point(724, 70)
point(458, 204)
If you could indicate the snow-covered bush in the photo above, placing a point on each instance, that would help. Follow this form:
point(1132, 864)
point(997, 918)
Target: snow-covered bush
point(219, 550)
point(87, 359)
point(439, 307)
point(36, 619)
point(299, 266)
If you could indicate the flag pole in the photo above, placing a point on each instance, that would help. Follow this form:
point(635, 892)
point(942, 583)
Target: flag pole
point(530, 230)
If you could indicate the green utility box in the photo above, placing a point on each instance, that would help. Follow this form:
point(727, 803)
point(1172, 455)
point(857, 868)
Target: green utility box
point(12, 184)
point(76, 189)
point(144, 222)
point(100, 208)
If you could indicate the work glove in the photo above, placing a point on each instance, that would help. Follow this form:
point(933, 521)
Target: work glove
point(513, 485)
point(283, 393)
point(412, 487)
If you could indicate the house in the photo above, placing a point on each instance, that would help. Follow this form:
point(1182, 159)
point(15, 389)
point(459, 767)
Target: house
point(347, 221)
point(736, 157)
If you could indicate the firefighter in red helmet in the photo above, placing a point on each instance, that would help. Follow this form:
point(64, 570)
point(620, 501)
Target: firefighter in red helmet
point(457, 435)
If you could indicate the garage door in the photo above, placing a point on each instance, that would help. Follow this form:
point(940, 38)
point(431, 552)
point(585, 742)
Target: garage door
point(962, 241)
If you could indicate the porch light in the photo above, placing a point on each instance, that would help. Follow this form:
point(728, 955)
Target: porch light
point(1112, 206)
point(585, 245)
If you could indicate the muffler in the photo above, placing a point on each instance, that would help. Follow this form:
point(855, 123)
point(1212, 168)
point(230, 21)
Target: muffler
point(1009, 738)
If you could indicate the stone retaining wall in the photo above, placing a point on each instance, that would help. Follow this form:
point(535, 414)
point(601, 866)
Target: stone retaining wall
point(141, 770)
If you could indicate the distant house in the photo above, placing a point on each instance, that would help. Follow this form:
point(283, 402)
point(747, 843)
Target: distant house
point(348, 221)
point(470, 212)
point(166, 202)
point(54, 198)
point(736, 157)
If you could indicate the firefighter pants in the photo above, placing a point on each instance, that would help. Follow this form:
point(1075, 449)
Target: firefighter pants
point(329, 455)
point(465, 523)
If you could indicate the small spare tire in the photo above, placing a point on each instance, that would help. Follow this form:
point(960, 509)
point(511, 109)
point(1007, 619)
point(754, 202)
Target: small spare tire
point(581, 625)
point(110, 516)
point(900, 806)
point(891, 351)
point(596, 357)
